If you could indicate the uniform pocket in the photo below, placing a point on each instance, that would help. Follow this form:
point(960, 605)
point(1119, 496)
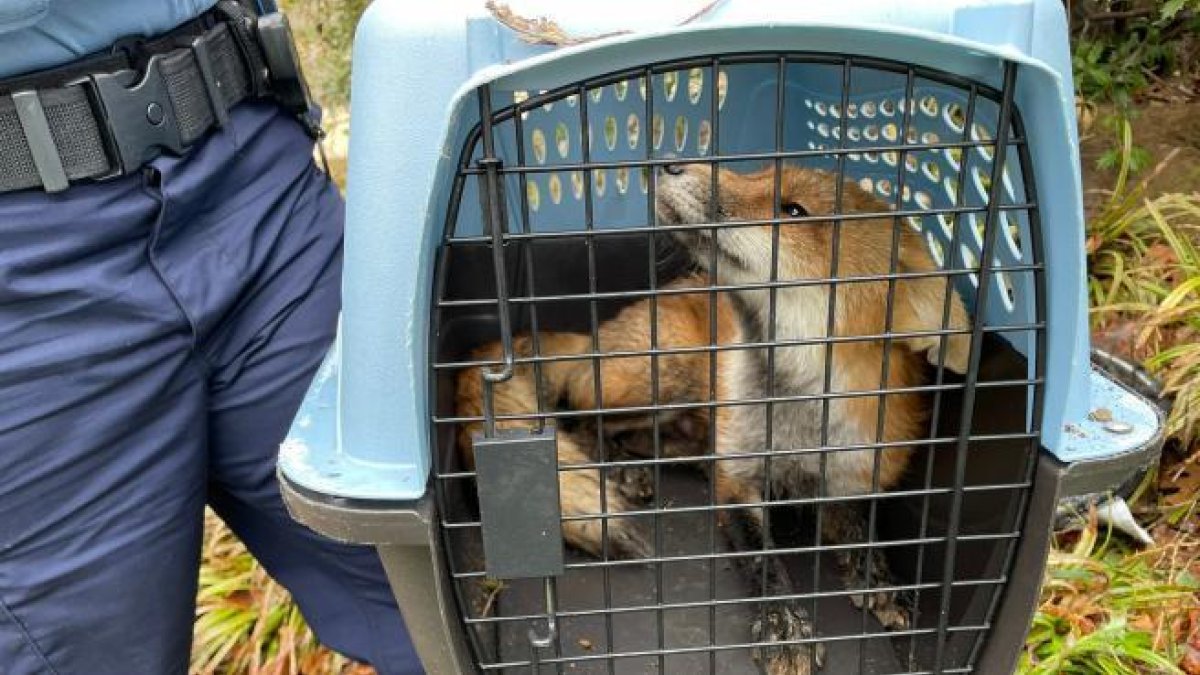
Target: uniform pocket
point(18, 14)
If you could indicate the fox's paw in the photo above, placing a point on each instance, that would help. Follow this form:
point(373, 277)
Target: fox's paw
point(635, 483)
point(886, 607)
point(786, 623)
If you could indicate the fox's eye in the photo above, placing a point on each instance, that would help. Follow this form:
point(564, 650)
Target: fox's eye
point(793, 210)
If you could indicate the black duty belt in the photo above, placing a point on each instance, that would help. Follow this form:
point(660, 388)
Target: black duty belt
point(109, 115)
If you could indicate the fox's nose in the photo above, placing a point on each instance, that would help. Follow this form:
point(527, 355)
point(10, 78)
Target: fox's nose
point(673, 169)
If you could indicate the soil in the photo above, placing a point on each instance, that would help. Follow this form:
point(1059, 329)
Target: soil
point(1167, 119)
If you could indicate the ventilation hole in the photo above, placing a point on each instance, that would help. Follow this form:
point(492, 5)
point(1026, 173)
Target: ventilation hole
point(808, 103)
point(538, 141)
point(722, 89)
point(599, 181)
point(980, 133)
point(695, 85)
point(703, 137)
point(548, 105)
point(821, 109)
point(823, 129)
point(852, 110)
point(854, 156)
point(577, 184)
point(932, 171)
point(642, 87)
point(555, 189)
point(835, 111)
point(866, 184)
point(906, 194)
point(954, 155)
point(670, 85)
point(955, 118)
point(871, 131)
point(910, 163)
point(681, 129)
point(872, 157)
point(1008, 295)
point(884, 187)
point(890, 158)
point(977, 228)
point(891, 132)
point(911, 136)
point(562, 139)
point(1012, 231)
point(869, 109)
point(929, 106)
point(596, 94)
point(621, 90)
point(657, 127)
point(811, 125)
point(610, 132)
point(533, 194)
point(970, 261)
point(853, 134)
point(951, 191)
point(913, 222)
point(644, 179)
point(573, 100)
point(812, 146)
point(923, 199)
point(983, 183)
point(929, 138)
point(936, 249)
point(887, 108)
point(947, 222)
point(520, 96)
point(633, 130)
point(622, 179)
point(836, 131)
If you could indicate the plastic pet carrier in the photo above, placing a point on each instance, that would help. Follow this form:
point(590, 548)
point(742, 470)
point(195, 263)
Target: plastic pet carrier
point(744, 336)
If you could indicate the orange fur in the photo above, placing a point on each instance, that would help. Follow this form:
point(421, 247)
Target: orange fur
point(805, 252)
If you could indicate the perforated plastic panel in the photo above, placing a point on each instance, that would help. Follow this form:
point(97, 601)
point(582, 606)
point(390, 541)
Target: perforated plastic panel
point(745, 102)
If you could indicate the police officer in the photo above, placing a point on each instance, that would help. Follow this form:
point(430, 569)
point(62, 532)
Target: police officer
point(169, 281)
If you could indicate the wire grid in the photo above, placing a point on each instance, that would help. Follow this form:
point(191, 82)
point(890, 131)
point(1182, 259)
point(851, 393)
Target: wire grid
point(951, 553)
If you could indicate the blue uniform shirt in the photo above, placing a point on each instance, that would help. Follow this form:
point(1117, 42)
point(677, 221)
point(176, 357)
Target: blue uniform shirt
point(37, 34)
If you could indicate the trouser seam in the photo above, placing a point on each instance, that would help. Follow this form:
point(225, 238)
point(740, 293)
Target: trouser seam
point(26, 636)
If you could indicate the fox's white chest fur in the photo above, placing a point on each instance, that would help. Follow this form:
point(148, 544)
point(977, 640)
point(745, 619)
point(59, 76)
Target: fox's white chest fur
point(801, 313)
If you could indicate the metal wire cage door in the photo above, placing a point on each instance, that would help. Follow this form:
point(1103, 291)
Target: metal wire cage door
point(572, 262)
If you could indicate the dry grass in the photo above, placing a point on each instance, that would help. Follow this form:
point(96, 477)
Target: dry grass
point(1106, 607)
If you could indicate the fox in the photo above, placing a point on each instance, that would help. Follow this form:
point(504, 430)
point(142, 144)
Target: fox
point(781, 229)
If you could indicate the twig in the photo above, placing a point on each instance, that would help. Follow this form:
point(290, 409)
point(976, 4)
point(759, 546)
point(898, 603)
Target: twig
point(1119, 16)
point(545, 31)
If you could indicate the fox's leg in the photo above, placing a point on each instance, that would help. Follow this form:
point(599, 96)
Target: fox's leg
point(845, 523)
point(580, 491)
point(740, 481)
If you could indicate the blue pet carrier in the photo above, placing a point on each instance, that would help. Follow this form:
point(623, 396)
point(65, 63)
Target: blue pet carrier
point(503, 170)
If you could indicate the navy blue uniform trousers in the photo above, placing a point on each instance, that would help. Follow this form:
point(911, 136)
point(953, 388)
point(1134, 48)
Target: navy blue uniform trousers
point(157, 333)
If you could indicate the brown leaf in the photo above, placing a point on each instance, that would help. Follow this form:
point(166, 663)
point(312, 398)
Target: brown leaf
point(1190, 663)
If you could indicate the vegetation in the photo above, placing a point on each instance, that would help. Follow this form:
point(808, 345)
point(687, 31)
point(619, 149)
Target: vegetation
point(1107, 607)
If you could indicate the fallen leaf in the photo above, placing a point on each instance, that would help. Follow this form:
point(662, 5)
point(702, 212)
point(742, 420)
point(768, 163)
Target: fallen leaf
point(1190, 663)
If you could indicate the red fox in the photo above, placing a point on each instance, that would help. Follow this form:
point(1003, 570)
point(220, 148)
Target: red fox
point(753, 256)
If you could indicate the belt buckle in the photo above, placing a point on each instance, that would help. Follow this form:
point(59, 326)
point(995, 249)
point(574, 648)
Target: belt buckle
point(137, 113)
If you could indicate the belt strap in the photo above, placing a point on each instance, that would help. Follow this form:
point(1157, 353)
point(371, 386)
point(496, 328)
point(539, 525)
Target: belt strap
point(110, 124)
